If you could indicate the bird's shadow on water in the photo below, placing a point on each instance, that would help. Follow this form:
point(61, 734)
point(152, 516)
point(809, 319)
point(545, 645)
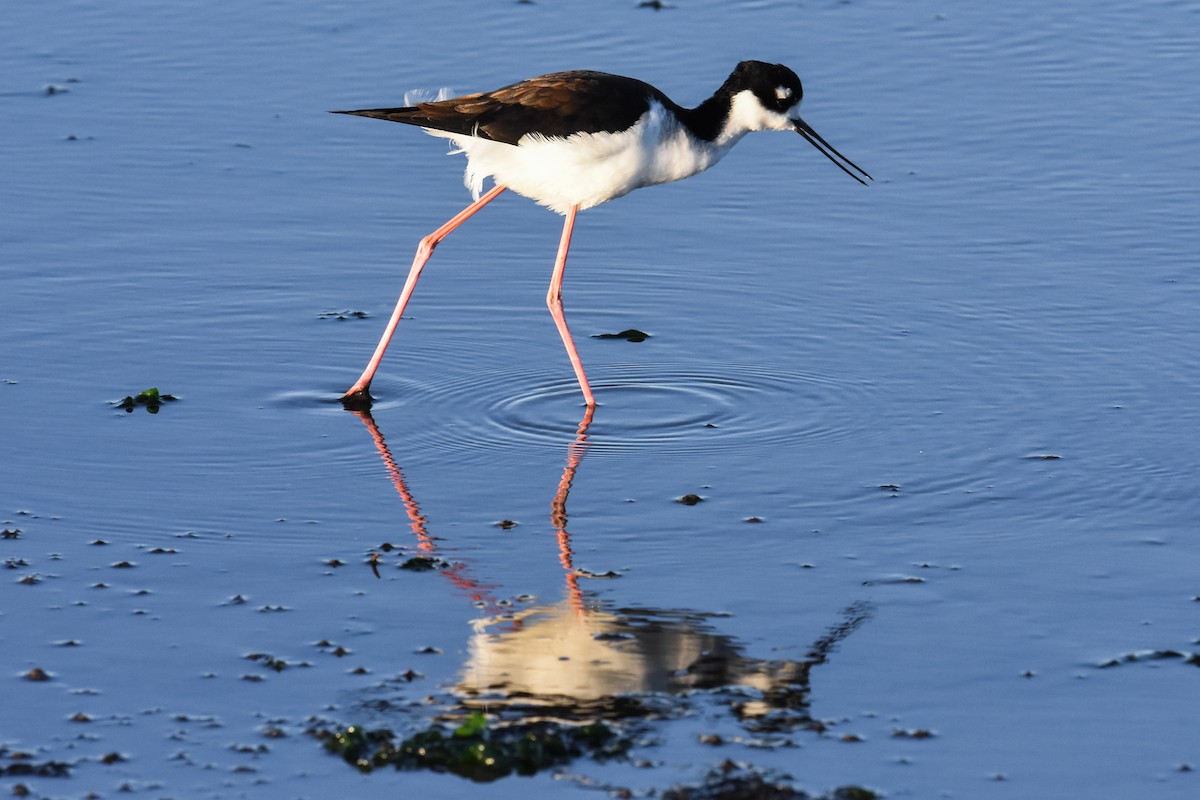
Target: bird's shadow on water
point(543, 685)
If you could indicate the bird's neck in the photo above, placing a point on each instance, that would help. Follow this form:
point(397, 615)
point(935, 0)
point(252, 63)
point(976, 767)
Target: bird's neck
point(708, 121)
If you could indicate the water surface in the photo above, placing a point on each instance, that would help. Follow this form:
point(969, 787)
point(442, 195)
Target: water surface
point(959, 403)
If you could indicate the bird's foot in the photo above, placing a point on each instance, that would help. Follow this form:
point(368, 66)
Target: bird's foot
point(357, 399)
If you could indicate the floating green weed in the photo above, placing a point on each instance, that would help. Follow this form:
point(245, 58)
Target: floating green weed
point(474, 725)
point(151, 399)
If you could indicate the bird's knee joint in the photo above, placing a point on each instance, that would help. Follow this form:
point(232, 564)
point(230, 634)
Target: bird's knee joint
point(426, 245)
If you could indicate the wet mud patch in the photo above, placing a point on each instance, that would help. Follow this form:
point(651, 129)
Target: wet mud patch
point(482, 749)
point(730, 780)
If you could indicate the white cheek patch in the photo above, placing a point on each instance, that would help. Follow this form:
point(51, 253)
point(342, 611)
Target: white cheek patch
point(747, 113)
point(783, 93)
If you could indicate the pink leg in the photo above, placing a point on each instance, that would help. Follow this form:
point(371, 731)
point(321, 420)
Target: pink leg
point(554, 300)
point(358, 393)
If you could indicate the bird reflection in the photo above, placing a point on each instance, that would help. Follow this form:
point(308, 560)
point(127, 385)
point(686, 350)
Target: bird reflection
point(581, 658)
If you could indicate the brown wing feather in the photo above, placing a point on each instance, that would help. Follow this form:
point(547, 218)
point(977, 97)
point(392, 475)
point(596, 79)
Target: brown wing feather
point(559, 104)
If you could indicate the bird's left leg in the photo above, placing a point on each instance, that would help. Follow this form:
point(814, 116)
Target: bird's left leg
point(358, 395)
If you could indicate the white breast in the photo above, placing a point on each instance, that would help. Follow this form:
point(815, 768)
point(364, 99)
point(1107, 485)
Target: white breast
point(587, 169)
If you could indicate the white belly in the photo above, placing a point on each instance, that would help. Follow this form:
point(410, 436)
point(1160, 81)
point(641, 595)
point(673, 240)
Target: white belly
point(587, 169)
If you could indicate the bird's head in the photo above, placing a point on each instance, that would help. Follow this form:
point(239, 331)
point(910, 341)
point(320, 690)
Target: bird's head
point(766, 97)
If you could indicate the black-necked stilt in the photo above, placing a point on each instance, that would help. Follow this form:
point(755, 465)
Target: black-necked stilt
point(573, 140)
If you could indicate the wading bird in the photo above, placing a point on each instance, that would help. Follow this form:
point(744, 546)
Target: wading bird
point(573, 140)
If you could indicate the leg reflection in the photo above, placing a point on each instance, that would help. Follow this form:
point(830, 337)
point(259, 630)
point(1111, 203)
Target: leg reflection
point(558, 511)
point(457, 573)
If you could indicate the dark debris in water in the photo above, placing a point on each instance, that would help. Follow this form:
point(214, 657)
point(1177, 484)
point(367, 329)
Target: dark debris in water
point(587, 573)
point(424, 564)
point(893, 580)
point(20, 764)
point(629, 335)
point(689, 499)
point(480, 749)
point(333, 649)
point(343, 315)
point(274, 662)
point(1152, 655)
point(914, 733)
point(733, 781)
point(151, 399)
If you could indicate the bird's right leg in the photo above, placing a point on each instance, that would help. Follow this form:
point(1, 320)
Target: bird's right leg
point(554, 301)
point(359, 395)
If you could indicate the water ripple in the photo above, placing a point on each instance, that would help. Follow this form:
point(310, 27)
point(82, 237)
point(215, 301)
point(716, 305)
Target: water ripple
point(721, 408)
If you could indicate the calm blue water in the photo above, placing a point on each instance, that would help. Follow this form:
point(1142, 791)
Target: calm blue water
point(964, 399)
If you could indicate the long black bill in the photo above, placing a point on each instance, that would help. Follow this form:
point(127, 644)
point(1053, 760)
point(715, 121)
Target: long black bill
point(829, 151)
